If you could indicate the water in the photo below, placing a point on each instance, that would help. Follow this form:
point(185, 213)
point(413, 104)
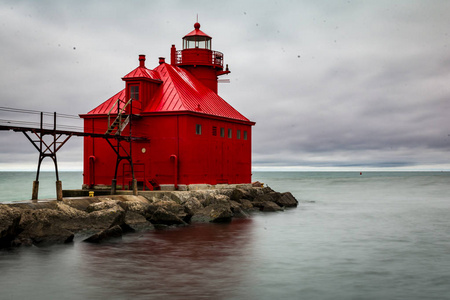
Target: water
point(17, 186)
point(369, 236)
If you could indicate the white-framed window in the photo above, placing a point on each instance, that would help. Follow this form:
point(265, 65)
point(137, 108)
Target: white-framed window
point(134, 92)
point(198, 129)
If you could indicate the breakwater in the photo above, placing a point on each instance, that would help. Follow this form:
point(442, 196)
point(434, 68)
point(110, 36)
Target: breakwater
point(100, 218)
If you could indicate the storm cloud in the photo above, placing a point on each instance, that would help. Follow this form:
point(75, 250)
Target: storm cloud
point(330, 84)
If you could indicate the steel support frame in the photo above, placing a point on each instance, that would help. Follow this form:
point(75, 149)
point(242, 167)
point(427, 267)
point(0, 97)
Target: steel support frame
point(46, 149)
point(117, 149)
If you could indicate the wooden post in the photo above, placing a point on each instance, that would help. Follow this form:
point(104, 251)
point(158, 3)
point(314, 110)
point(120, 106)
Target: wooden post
point(135, 189)
point(59, 193)
point(113, 187)
point(35, 192)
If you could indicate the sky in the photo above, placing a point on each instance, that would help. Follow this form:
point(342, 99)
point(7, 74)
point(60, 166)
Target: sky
point(331, 85)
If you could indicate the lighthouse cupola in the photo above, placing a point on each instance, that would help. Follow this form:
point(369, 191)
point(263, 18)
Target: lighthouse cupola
point(198, 58)
point(197, 39)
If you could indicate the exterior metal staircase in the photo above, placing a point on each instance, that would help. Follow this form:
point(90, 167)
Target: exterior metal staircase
point(121, 121)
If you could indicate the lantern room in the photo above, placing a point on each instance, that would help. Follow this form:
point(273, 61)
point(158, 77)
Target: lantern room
point(197, 39)
point(198, 58)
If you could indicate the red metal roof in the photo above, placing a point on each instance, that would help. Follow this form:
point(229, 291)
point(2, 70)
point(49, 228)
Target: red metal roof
point(143, 72)
point(106, 106)
point(180, 91)
point(197, 32)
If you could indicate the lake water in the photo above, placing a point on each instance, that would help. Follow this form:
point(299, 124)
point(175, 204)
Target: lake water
point(379, 235)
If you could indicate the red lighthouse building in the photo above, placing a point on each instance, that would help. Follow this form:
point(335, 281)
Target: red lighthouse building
point(182, 132)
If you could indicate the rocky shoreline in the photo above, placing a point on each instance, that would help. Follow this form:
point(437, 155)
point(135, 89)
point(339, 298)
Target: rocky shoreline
point(100, 218)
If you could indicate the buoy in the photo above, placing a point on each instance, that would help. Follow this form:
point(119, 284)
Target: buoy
point(91, 193)
point(360, 173)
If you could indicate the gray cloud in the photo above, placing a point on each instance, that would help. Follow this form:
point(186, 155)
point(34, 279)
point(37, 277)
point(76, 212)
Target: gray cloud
point(346, 84)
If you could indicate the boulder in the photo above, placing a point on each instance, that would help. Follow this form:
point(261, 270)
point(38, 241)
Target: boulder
point(44, 234)
point(43, 227)
point(237, 194)
point(143, 208)
point(104, 235)
point(192, 205)
point(237, 210)
point(270, 206)
point(262, 198)
point(245, 204)
point(287, 200)
point(216, 213)
point(164, 217)
point(136, 222)
point(9, 225)
point(105, 204)
point(103, 219)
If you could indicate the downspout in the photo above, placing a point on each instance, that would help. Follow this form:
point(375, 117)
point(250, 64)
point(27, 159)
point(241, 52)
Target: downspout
point(91, 170)
point(175, 170)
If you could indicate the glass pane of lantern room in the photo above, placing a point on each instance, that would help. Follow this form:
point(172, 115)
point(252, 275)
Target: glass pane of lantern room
point(202, 44)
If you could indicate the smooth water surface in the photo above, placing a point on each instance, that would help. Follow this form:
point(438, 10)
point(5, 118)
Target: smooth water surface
point(369, 236)
point(18, 186)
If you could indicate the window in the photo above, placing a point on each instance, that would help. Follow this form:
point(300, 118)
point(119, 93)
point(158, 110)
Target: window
point(230, 133)
point(134, 92)
point(214, 131)
point(238, 134)
point(245, 135)
point(222, 132)
point(198, 129)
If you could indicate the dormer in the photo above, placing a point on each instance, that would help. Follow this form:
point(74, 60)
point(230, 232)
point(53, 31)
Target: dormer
point(141, 84)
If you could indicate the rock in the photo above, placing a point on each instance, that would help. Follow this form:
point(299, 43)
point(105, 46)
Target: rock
point(142, 208)
point(241, 193)
point(171, 206)
point(262, 198)
point(204, 197)
point(9, 225)
point(42, 227)
point(50, 222)
point(137, 222)
point(237, 194)
point(162, 216)
point(107, 218)
point(107, 234)
point(45, 235)
point(245, 204)
point(270, 206)
point(237, 210)
point(287, 200)
point(193, 205)
point(69, 217)
point(105, 204)
point(79, 203)
point(216, 213)
point(220, 200)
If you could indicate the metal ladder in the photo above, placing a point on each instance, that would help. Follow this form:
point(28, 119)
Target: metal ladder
point(119, 122)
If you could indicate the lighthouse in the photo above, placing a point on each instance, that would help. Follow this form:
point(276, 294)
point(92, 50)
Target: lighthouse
point(182, 134)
